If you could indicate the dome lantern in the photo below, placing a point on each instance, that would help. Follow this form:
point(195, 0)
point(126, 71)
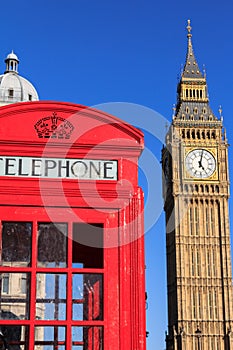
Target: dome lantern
point(12, 62)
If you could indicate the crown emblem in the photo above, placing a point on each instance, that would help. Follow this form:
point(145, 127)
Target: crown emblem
point(54, 127)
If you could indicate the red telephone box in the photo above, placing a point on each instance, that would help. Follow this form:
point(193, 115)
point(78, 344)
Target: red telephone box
point(72, 249)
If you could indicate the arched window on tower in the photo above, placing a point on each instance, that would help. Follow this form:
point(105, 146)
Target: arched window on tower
point(207, 219)
point(199, 294)
point(194, 304)
point(212, 220)
point(215, 302)
point(210, 303)
point(212, 343)
point(192, 263)
point(215, 313)
point(196, 221)
point(208, 263)
point(191, 220)
point(214, 263)
point(198, 263)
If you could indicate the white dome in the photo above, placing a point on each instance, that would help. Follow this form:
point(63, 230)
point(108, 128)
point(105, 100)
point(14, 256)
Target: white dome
point(13, 87)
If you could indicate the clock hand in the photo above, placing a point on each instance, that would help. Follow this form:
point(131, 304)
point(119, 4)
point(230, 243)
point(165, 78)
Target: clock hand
point(200, 161)
point(201, 156)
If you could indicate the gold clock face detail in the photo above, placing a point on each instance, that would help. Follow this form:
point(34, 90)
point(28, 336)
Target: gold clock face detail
point(200, 163)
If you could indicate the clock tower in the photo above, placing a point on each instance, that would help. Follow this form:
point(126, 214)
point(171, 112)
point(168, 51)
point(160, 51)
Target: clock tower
point(196, 192)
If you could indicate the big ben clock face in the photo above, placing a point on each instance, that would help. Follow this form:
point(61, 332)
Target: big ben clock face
point(200, 163)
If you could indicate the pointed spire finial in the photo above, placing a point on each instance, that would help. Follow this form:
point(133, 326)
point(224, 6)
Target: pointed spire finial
point(220, 113)
point(174, 110)
point(204, 71)
point(189, 28)
point(189, 36)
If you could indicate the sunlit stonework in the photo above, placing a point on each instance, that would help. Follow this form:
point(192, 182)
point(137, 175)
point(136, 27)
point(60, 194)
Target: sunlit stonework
point(196, 192)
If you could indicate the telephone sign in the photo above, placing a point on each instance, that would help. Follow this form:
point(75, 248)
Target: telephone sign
point(86, 169)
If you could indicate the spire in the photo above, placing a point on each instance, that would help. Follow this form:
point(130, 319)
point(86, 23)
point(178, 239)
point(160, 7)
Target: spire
point(192, 92)
point(191, 69)
point(192, 86)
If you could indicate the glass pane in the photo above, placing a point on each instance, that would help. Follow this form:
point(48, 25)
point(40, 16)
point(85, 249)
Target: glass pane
point(51, 296)
point(50, 338)
point(52, 241)
point(87, 297)
point(87, 245)
point(84, 338)
point(14, 296)
point(16, 243)
point(14, 337)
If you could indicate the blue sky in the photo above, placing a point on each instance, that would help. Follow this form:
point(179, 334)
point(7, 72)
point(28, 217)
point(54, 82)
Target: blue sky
point(94, 52)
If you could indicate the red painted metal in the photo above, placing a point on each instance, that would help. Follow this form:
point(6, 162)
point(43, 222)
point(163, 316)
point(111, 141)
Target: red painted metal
point(66, 131)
